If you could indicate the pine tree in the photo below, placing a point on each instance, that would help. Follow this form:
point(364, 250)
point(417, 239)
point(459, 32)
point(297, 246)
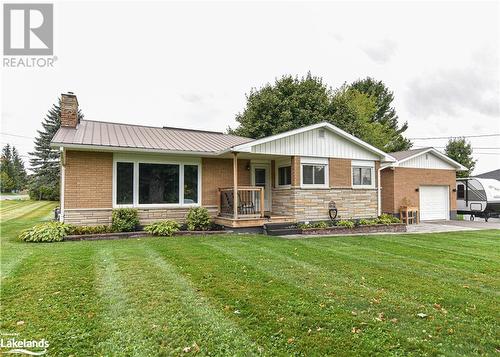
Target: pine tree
point(7, 170)
point(44, 183)
point(19, 172)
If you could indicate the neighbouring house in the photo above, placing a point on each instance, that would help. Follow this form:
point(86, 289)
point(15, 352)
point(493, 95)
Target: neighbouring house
point(162, 172)
point(423, 178)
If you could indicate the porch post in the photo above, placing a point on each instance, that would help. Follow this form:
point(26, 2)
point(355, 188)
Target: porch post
point(235, 185)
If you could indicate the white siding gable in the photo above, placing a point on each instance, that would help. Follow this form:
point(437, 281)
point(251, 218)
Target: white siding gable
point(427, 161)
point(311, 143)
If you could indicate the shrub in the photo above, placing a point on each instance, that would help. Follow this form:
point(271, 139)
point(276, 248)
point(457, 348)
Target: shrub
point(198, 219)
point(163, 228)
point(387, 219)
point(45, 232)
point(367, 222)
point(346, 224)
point(125, 219)
point(99, 229)
point(321, 225)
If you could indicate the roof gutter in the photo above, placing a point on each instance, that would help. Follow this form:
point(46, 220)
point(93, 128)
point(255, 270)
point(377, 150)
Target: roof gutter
point(133, 149)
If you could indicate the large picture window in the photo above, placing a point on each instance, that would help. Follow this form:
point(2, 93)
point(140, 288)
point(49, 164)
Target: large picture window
point(155, 183)
point(284, 176)
point(362, 176)
point(313, 174)
point(124, 183)
point(158, 183)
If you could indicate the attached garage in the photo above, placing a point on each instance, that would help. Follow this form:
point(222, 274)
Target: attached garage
point(423, 178)
point(434, 203)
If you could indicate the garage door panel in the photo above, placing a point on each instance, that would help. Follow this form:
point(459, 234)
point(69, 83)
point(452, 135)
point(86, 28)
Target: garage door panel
point(434, 203)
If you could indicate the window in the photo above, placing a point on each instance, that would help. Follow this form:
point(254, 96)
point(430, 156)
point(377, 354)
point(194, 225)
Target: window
point(284, 176)
point(313, 174)
point(124, 183)
point(461, 192)
point(158, 183)
point(362, 176)
point(190, 184)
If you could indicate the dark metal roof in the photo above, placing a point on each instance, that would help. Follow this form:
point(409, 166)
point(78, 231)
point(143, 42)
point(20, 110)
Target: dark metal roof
point(495, 174)
point(97, 133)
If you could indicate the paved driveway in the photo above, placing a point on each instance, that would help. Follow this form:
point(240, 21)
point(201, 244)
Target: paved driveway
point(451, 226)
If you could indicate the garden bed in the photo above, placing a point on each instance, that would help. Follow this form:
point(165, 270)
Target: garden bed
point(374, 228)
point(138, 234)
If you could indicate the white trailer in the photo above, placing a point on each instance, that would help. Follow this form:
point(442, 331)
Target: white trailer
point(478, 197)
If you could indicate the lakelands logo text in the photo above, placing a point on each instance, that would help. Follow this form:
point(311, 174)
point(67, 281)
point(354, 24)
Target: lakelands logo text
point(28, 347)
point(28, 35)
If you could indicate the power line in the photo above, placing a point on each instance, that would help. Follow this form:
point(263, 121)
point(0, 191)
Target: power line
point(456, 136)
point(17, 136)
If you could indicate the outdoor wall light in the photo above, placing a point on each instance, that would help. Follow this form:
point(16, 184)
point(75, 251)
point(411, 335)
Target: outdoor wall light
point(454, 190)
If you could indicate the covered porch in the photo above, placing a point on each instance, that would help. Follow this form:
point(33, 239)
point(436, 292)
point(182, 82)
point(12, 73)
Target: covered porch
point(242, 206)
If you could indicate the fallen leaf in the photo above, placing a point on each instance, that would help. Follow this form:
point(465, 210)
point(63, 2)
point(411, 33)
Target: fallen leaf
point(186, 349)
point(319, 329)
point(19, 323)
point(437, 306)
point(394, 320)
point(355, 330)
point(422, 315)
point(290, 340)
point(196, 347)
point(237, 312)
point(354, 313)
point(309, 331)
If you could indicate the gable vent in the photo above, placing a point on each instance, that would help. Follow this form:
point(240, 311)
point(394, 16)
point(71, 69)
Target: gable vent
point(321, 133)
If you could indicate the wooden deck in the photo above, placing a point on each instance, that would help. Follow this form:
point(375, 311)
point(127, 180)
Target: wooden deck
point(247, 222)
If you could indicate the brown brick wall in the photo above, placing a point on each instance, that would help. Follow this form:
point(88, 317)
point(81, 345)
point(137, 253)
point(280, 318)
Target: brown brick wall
point(295, 160)
point(219, 173)
point(340, 173)
point(404, 182)
point(88, 179)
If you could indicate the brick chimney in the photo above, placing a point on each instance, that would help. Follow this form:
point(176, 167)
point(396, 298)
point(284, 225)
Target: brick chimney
point(69, 110)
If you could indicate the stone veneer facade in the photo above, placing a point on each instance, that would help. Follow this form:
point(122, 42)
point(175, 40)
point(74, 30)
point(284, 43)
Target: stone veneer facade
point(312, 204)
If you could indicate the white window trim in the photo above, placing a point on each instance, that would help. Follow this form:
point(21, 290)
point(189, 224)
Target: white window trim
point(314, 161)
point(146, 159)
point(282, 163)
point(363, 164)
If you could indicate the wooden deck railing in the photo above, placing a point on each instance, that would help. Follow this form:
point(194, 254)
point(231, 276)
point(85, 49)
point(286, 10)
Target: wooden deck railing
point(249, 202)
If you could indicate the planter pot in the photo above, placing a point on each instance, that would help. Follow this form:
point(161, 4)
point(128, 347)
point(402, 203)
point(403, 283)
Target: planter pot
point(376, 228)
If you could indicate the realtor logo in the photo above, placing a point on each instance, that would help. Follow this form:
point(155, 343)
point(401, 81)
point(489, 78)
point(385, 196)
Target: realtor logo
point(28, 30)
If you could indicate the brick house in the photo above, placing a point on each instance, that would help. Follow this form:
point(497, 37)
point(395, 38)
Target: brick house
point(162, 172)
point(424, 178)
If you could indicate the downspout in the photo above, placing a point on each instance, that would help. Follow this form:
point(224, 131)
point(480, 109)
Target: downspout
point(61, 195)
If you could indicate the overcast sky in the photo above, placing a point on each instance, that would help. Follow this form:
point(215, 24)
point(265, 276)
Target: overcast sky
point(190, 64)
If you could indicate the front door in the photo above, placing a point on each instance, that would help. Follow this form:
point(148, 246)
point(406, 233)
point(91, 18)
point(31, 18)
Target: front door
point(261, 177)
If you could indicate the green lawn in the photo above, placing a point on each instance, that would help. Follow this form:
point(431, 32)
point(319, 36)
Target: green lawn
point(251, 294)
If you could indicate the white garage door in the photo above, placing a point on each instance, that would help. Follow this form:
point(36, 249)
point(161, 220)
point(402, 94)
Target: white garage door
point(434, 203)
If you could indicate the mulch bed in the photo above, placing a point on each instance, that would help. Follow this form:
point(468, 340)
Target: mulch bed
point(376, 228)
point(138, 234)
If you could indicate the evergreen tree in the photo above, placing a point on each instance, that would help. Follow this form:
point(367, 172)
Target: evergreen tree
point(19, 172)
point(461, 151)
point(7, 170)
point(45, 164)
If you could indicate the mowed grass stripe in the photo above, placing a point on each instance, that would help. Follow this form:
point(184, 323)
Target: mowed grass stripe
point(52, 294)
point(123, 322)
point(25, 212)
point(170, 311)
